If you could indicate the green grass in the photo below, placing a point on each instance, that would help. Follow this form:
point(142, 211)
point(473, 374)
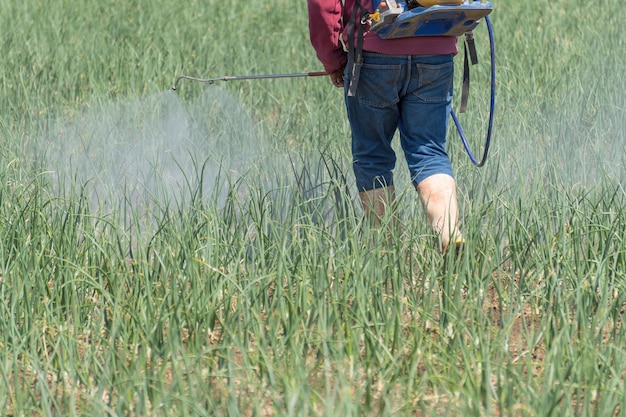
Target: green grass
point(264, 294)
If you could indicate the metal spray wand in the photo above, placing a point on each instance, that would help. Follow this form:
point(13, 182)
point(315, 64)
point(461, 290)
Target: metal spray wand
point(247, 77)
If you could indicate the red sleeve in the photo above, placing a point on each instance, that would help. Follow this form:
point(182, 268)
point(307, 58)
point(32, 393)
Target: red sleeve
point(325, 31)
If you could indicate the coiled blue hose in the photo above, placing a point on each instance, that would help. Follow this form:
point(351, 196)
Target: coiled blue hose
point(491, 106)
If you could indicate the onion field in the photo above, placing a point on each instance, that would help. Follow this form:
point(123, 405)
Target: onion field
point(202, 252)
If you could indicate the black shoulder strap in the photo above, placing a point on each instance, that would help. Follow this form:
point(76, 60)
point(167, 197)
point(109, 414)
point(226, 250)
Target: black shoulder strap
point(355, 46)
point(469, 49)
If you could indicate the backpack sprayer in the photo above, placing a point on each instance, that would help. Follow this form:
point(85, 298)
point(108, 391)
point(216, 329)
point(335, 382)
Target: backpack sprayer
point(409, 18)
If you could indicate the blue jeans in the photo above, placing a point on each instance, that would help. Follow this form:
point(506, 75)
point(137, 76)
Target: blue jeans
point(412, 94)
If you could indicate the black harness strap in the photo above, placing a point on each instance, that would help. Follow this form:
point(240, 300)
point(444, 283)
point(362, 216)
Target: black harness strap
point(469, 38)
point(469, 48)
point(355, 51)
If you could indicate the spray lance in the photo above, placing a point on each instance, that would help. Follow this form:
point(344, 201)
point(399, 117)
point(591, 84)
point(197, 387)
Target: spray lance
point(408, 18)
point(247, 77)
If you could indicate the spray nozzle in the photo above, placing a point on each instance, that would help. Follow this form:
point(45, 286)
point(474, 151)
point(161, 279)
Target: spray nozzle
point(200, 80)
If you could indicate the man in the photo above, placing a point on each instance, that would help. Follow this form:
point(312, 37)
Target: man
point(402, 84)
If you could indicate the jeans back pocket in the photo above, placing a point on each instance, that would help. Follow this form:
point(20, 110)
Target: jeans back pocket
point(435, 82)
point(378, 85)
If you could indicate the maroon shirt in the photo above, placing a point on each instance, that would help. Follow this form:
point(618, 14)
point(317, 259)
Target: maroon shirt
point(327, 20)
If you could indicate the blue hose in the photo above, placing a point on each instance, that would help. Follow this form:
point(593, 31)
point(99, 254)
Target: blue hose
point(491, 107)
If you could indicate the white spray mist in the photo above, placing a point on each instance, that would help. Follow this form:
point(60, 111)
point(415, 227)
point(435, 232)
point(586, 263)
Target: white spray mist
point(153, 151)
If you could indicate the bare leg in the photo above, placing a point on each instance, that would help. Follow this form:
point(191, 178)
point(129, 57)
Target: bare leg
point(375, 202)
point(438, 197)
